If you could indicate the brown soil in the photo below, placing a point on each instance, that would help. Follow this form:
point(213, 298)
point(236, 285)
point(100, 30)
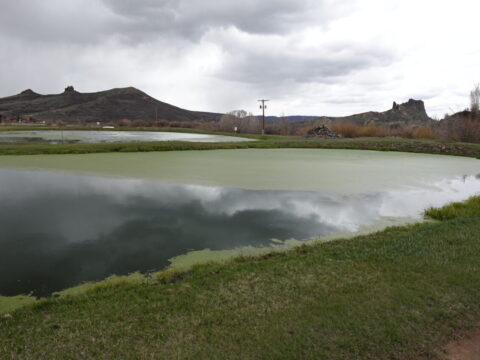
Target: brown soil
point(467, 348)
point(464, 349)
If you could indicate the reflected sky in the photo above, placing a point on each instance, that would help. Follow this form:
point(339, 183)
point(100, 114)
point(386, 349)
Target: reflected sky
point(58, 229)
point(91, 137)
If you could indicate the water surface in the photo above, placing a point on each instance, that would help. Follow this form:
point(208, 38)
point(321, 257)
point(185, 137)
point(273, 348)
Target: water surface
point(325, 170)
point(92, 137)
point(74, 218)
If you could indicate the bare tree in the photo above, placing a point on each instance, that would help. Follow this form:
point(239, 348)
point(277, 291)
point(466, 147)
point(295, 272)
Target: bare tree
point(239, 121)
point(475, 100)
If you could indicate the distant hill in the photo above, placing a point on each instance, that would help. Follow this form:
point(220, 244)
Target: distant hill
point(104, 106)
point(410, 113)
point(290, 118)
point(132, 104)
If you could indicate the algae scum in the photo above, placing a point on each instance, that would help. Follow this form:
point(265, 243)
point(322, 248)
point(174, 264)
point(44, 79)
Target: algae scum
point(69, 219)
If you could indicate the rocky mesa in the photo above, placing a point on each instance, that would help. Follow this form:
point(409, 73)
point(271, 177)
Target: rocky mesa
point(409, 113)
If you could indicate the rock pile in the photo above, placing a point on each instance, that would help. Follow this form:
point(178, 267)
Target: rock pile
point(324, 132)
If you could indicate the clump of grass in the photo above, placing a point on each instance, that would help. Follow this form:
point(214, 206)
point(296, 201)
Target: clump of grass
point(169, 276)
point(11, 303)
point(469, 208)
point(112, 282)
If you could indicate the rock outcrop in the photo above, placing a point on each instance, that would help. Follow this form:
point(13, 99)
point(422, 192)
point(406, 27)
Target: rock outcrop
point(411, 112)
point(70, 89)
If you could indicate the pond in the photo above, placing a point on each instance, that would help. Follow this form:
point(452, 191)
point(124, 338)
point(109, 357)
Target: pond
point(72, 218)
point(92, 137)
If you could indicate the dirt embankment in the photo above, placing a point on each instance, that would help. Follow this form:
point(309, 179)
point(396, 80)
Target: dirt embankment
point(466, 348)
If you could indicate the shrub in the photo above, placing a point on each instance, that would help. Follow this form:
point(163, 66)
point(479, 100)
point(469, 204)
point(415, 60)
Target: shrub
point(368, 131)
point(463, 126)
point(348, 130)
point(124, 122)
point(302, 131)
point(406, 133)
point(424, 132)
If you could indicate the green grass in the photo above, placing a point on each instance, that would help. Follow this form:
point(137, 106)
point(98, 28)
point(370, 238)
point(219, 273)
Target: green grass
point(396, 294)
point(469, 208)
point(262, 142)
point(11, 303)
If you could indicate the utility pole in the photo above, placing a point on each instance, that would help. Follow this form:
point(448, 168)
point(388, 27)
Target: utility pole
point(263, 107)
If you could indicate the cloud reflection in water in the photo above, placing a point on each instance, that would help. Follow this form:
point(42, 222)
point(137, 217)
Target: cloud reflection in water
point(58, 230)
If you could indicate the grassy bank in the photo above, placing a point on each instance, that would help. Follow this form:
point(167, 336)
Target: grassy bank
point(396, 294)
point(262, 142)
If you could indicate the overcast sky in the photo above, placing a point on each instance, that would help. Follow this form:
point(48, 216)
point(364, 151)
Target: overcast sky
point(312, 57)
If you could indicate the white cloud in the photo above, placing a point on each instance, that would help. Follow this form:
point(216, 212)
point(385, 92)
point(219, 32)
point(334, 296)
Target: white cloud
point(308, 57)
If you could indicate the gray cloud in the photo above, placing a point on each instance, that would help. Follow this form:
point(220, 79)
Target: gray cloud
point(268, 68)
point(147, 20)
point(218, 54)
point(54, 21)
point(192, 19)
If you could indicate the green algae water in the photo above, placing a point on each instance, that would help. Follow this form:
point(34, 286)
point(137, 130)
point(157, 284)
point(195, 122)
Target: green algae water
point(68, 219)
point(332, 171)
